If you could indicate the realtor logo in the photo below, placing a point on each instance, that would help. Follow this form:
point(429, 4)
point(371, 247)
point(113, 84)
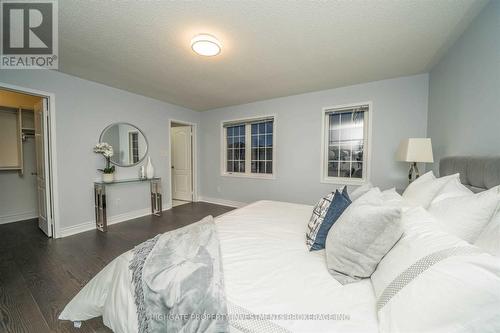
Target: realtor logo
point(29, 34)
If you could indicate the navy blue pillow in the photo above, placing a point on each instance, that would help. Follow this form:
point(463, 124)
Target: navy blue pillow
point(345, 194)
point(339, 203)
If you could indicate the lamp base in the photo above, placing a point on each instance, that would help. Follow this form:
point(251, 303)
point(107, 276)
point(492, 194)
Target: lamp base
point(413, 174)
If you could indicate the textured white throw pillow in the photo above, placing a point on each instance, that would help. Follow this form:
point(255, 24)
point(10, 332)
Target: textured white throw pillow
point(391, 195)
point(392, 198)
point(417, 223)
point(372, 197)
point(423, 190)
point(452, 189)
point(358, 192)
point(466, 216)
point(361, 237)
point(489, 239)
point(432, 281)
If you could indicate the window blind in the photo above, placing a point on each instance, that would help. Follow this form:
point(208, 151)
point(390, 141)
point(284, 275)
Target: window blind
point(252, 121)
point(358, 108)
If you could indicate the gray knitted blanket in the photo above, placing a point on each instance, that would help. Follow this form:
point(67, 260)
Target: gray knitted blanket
point(178, 281)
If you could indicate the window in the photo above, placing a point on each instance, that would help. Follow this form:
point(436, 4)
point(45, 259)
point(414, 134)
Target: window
point(236, 138)
point(248, 148)
point(133, 140)
point(262, 147)
point(345, 144)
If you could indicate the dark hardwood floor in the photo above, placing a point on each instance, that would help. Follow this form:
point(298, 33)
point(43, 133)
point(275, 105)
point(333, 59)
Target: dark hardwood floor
point(39, 275)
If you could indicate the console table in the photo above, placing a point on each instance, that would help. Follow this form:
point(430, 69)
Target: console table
point(100, 198)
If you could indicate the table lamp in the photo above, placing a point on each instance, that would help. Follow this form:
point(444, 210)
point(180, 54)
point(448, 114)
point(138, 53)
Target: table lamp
point(415, 150)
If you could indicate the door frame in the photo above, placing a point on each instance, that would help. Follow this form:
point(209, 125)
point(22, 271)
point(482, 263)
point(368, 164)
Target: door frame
point(194, 160)
point(50, 141)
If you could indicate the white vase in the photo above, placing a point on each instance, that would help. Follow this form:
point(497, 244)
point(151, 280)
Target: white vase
point(108, 177)
point(142, 172)
point(150, 170)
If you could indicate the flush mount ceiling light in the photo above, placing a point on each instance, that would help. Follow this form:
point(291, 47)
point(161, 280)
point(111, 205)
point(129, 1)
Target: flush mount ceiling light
point(205, 45)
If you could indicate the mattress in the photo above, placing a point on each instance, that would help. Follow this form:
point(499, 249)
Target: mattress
point(268, 273)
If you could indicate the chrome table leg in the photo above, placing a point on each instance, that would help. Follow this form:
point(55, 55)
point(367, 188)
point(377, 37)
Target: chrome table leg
point(100, 207)
point(156, 204)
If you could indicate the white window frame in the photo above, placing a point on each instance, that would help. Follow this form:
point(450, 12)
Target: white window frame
point(248, 149)
point(367, 142)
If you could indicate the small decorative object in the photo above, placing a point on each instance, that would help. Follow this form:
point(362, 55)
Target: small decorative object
point(415, 150)
point(150, 170)
point(142, 172)
point(108, 177)
point(107, 151)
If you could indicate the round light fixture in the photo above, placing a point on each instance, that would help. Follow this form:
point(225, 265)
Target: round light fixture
point(205, 45)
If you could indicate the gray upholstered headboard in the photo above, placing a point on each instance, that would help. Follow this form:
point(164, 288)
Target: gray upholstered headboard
point(477, 173)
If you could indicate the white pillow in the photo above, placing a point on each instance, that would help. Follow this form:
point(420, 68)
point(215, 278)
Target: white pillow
point(467, 215)
point(392, 198)
point(360, 238)
point(432, 281)
point(418, 224)
point(358, 192)
point(391, 195)
point(453, 188)
point(489, 239)
point(424, 189)
point(371, 197)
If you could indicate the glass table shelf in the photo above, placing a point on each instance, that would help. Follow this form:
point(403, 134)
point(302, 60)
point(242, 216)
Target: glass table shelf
point(127, 180)
point(100, 198)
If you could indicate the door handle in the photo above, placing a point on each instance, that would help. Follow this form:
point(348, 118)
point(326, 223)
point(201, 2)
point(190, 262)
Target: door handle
point(34, 173)
point(172, 166)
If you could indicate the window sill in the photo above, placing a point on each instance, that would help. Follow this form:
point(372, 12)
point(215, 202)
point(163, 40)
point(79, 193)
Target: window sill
point(344, 181)
point(250, 176)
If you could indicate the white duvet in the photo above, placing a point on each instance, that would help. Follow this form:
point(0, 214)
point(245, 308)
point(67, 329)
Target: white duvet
point(268, 270)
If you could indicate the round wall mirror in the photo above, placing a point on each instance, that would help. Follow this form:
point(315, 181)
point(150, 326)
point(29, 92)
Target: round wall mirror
point(130, 145)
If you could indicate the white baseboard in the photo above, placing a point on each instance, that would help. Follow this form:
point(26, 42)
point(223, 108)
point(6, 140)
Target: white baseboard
point(222, 202)
point(75, 229)
point(17, 217)
point(86, 226)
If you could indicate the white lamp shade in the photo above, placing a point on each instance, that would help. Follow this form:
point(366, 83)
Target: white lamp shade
point(415, 150)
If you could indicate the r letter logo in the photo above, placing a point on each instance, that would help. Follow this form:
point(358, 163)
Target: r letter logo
point(29, 34)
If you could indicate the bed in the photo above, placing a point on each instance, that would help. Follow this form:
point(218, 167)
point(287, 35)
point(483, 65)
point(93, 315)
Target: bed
point(477, 173)
point(268, 271)
point(263, 275)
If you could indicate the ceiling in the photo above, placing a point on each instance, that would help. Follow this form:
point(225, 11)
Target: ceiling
point(270, 48)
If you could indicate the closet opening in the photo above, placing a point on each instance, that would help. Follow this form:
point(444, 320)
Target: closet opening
point(26, 195)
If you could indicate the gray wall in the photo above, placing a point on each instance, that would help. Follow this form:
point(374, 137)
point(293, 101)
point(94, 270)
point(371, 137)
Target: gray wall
point(464, 91)
point(399, 111)
point(83, 109)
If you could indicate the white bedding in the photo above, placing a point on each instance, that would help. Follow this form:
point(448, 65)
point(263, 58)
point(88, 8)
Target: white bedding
point(267, 270)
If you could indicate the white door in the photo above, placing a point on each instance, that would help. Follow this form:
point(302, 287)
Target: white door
point(42, 166)
point(182, 180)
